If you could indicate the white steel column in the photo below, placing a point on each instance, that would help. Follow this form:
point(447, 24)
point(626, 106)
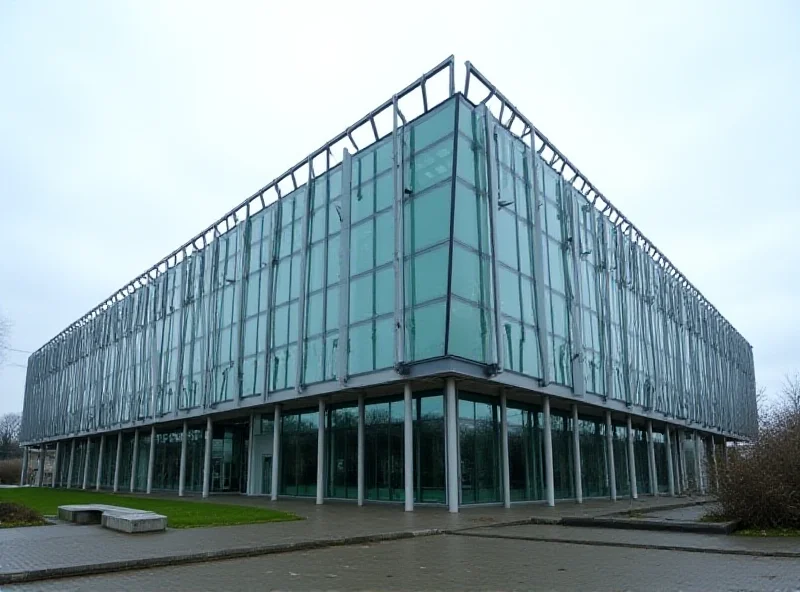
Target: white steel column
point(134, 459)
point(361, 450)
point(71, 463)
point(651, 459)
point(151, 459)
point(631, 460)
point(682, 460)
point(452, 444)
point(40, 466)
point(612, 471)
point(576, 454)
point(118, 461)
point(99, 473)
point(207, 459)
point(716, 465)
point(698, 467)
point(504, 440)
point(184, 448)
point(250, 454)
point(55, 464)
point(24, 473)
point(408, 447)
point(276, 451)
point(321, 454)
point(548, 453)
point(86, 463)
point(670, 469)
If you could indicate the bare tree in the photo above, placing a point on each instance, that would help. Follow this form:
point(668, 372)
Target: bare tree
point(5, 330)
point(790, 393)
point(10, 424)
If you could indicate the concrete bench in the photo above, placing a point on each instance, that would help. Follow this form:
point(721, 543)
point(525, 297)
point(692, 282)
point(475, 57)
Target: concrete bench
point(131, 522)
point(113, 517)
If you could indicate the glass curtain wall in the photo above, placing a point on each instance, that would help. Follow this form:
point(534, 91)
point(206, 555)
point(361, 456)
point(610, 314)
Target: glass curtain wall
point(621, 466)
point(229, 448)
point(563, 467)
point(321, 336)
point(479, 440)
point(125, 461)
point(525, 446)
point(429, 164)
point(142, 458)
point(594, 457)
point(341, 433)
point(79, 464)
point(195, 456)
point(516, 244)
point(167, 460)
point(470, 323)
point(283, 338)
point(94, 453)
point(383, 450)
point(429, 448)
point(660, 450)
point(299, 432)
point(640, 457)
point(109, 461)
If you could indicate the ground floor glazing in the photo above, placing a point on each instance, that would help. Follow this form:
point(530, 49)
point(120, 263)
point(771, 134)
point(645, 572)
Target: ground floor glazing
point(512, 447)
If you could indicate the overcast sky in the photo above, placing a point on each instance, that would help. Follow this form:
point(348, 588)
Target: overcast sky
point(125, 128)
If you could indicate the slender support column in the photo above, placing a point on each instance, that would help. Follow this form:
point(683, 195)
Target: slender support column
point(23, 477)
point(612, 471)
point(504, 438)
point(276, 452)
point(548, 453)
point(151, 459)
point(344, 267)
point(207, 459)
point(321, 454)
point(682, 459)
point(631, 461)
point(99, 473)
point(86, 463)
point(361, 450)
point(250, 454)
point(677, 462)
point(184, 448)
point(55, 465)
point(725, 449)
point(670, 469)
point(71, 463)
point(452, 445)
point(408, 447)
point(134, 459)
point(651, 459)
point(40, 465)
point(576, 455)
point(698, 466)
point(118, 461)
point(716, 465)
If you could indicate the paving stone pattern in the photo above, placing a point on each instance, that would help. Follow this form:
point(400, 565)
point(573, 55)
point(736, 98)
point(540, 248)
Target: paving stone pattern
point(456, 563)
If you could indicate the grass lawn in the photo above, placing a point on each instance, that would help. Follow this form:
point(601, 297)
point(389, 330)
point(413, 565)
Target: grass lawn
point(770, 532)
point(179, 513)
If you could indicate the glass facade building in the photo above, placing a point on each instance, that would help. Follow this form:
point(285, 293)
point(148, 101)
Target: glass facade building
point(434, 307)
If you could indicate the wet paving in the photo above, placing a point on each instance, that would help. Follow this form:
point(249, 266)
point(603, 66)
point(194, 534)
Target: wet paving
point(455, 562)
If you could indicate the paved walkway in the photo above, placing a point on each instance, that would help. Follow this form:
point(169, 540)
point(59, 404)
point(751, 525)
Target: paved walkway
point(454, 563)
point(55, 551)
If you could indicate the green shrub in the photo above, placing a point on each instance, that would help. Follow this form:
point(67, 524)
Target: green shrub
point(12, 514)
point(10, 470)
point(760, 483)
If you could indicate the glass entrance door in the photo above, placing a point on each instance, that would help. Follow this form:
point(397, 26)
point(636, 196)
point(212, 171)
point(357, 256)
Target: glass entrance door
point(229, 448)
